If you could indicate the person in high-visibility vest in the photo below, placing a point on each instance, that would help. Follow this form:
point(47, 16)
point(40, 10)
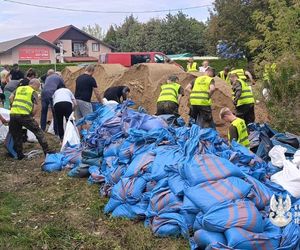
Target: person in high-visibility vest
point(201, 91)
point(243, 99)
point(238, 128)
point(224, 74)
point(24, 106)
point(191, 65)
point(169, 97)
point(242, 74)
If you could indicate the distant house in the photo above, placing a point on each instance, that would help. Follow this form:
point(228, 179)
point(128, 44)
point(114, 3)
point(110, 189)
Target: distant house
point(28, 50)
point(78, 46)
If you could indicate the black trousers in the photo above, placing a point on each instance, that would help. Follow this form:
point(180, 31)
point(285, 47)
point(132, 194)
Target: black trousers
point(61, 110)
point(202, 115)
point(167, 108)
point(246, 112)
point(15, 128)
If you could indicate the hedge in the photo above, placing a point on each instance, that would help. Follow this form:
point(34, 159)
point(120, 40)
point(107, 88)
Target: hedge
point(42, 69)
point(219, 64)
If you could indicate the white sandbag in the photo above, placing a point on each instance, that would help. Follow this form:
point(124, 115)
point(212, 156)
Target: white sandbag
point(289, 177)
point(296, 159)
point(31, 137)
point(277, 155)
point(109, 103)
point(5, 114)
point(3, 132)
point(71, 133)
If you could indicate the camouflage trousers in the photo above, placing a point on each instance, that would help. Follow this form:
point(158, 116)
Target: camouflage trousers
point(15, 128)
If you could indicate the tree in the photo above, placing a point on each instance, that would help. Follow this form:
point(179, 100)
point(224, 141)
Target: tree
point(231, 21)
point(95, 31)
point(277, 31)
point(111, 36)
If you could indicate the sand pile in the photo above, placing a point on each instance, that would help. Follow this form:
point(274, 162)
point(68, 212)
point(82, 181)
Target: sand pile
point(145, 80)
point(105, 75)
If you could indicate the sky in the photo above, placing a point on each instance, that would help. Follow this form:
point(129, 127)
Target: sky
point(19, 20)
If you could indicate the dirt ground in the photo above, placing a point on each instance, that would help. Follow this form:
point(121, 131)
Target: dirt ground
point(53, 211)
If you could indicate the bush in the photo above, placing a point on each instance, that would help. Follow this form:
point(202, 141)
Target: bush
point(219, 64)
point(42, 69)
point(284, 102)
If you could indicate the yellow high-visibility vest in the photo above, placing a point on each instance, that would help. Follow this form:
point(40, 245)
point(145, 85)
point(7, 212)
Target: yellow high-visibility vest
point(242, 132)
point(22, 104)
point(240, 73)
point(222, 76)
point(169, 92)
point(246, 96)
point(192, 68)
point(200, 92)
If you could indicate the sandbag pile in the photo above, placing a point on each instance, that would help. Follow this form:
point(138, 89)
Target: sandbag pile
point(183, 181)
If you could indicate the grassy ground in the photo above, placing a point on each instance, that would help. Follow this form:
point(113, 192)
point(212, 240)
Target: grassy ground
point(52, 211)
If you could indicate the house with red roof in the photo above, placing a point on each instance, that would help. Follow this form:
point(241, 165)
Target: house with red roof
point(77, 45)
point(65, 44)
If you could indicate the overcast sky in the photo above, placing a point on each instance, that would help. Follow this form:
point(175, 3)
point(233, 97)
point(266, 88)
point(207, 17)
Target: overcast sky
point(18, 21)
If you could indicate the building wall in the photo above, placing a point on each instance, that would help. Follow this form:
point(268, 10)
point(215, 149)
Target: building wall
point(6, 59)
point(67, 46)
point(15, 54)
point(102, 49)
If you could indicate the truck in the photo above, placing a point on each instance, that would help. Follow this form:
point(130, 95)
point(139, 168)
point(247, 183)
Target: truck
point(128, 59)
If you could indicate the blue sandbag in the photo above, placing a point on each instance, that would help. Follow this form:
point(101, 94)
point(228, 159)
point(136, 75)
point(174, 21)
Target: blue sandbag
point(141, 164)
point(290, 237)
point(260, 194)
point(169, 224)
point(113, 148)
point(176, 182)
point(165, 155)
point(80, 171)
point(189, 206)
point(163, 201)
point(243, 239)
point(203, 238)
point(208, 167)
point(210, 193)
point(72, 153)
point(129, 190)
point(238, 213)
point(114, 175)
point(54, 162)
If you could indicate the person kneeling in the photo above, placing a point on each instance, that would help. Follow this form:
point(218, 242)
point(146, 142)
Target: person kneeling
point(238, 129)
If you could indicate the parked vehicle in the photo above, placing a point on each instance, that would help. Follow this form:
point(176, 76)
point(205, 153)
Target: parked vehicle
point(128, 59)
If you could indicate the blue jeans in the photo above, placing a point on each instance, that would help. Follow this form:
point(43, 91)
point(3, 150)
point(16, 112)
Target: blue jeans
point(46, 102)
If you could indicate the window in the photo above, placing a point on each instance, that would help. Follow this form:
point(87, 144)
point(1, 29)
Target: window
point(95, 47)
point(135, 59)
point(79, 49)
point(24, 62)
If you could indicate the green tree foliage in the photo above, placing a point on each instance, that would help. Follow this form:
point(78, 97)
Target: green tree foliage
point(173, 34)
point(277, 31)
point(94, 30)
point(231, 21)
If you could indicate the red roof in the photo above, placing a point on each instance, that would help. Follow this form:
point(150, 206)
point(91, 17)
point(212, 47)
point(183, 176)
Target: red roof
point(52, 35)
point(80, 59)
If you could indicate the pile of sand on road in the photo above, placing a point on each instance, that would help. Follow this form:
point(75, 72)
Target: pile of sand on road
point(145, 80)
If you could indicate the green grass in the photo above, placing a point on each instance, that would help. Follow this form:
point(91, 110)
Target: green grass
point(53, 211)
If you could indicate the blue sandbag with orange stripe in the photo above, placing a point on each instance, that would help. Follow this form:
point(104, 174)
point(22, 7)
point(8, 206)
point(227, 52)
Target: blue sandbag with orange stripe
point(238, 213)
point(211, 193)
point(208, 167)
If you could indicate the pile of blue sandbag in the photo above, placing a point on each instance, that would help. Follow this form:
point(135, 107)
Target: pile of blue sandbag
point(180, 180)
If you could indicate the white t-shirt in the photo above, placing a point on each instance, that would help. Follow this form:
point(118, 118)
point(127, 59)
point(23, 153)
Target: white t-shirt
point(63, 95)
point(203, 69)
